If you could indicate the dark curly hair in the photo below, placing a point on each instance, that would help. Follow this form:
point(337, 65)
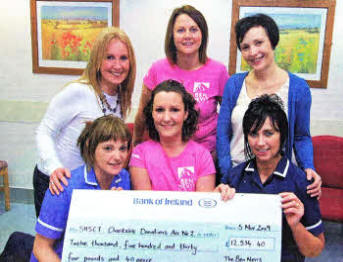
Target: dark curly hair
point(189, 125)
point(258, 111)
point(246, 23)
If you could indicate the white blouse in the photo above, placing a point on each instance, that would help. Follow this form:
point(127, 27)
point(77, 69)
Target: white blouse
point(63, 122)
point(243, 101)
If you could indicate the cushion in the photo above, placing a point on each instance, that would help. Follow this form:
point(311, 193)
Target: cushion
point(331, 204)
point(328, 159)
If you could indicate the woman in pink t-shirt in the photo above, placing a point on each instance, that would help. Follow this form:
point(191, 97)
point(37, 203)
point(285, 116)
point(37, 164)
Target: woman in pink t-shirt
point(187, 62)
point(171, 160)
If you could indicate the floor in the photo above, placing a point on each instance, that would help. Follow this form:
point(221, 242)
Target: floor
point(22, 218)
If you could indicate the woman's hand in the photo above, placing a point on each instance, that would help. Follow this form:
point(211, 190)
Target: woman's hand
point(314, 190)
point(225, 191)
point(116, 188)
point(308, 244)
point(292, 207)
point(59, 175)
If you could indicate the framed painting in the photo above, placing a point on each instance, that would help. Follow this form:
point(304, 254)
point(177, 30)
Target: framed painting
point(63, 32)
point(305, 36)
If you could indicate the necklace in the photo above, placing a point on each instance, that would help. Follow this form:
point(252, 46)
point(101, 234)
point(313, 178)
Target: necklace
point(105, 106)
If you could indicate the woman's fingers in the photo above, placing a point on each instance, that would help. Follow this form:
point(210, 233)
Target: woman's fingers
point(225, 191)
point(291, 204)
point(314, 190)
point(116, 188)
point(57, 177)
point(53, 189)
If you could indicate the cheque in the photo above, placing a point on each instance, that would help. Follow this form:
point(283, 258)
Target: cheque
point(156, 226)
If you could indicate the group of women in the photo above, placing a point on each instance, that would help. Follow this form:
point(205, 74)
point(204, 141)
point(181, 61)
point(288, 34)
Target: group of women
point(251, 139)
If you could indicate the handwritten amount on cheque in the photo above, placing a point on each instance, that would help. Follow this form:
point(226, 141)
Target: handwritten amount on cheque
point(154, 239)
point(154, 232)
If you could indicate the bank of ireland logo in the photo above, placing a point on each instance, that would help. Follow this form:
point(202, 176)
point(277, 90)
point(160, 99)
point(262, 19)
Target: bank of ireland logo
point(186, 181)
point(199, 90)
point(207, 202)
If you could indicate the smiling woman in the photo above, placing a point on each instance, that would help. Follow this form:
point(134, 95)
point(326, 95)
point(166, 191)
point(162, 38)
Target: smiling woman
point(187, 36)
point(169, 114)
point(105, 88)
point(187, 62)
point(265, 143)
point(268, 171)
point(115, 67)
point(104, 145)
point(256, 48)
point(171, 160)
point(256, 37)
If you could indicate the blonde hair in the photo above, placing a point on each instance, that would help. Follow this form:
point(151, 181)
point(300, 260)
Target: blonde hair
point(92, 76)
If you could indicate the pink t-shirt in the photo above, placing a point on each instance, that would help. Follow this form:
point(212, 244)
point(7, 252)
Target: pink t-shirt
point(205, 84)
point(178, 173)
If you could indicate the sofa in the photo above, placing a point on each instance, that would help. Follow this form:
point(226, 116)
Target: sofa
point(328, 162)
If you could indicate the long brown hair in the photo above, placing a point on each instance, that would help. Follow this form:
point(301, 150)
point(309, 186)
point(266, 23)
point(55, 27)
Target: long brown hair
point(199, 19)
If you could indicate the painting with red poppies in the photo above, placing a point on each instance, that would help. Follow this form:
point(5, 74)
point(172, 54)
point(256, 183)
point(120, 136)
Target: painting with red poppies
point(66, 30)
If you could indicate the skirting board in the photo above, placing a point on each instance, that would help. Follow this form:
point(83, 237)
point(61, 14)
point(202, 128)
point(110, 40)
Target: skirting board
point(19, 195)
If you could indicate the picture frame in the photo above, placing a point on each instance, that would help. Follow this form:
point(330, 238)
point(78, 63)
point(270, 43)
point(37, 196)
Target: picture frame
point(305, 35)
point(63, 31)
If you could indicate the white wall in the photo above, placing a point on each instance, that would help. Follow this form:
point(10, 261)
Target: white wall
point(24, 95)
point(146, 23)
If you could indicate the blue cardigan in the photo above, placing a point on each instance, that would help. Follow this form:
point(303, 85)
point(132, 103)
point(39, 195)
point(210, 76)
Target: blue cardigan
point(299, 106)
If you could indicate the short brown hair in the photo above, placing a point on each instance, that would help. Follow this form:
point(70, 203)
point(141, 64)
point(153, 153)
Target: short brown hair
point(102, 129)
point(92, 75)
point(199, 19)
point(246, 23)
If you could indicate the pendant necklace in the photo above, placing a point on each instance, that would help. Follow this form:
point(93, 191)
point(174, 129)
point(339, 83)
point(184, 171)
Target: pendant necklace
point(105, 106)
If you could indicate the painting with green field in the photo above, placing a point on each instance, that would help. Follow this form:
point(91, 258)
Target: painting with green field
point(298, 48)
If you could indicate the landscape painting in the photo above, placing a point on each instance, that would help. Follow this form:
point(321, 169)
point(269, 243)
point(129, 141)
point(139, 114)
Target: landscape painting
point(302, 34)
point(63, 32)
point(68, 32)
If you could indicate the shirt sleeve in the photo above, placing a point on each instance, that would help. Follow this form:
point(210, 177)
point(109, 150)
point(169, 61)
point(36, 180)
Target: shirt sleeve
point(224, 76)
point(138, 157)
point(61, 110)
point(53, 216)
point(312, 217)
point(150, 79)
point(302, 136)
point(126, 182)
point(205, 165)
point(224, 129)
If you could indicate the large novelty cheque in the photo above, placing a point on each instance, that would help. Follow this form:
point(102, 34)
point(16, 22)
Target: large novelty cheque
point(156, 226)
